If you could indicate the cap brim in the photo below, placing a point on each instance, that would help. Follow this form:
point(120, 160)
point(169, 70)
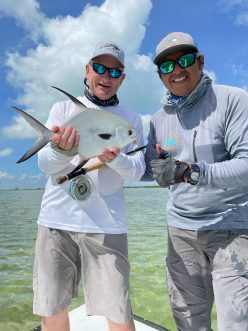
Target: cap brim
point(158, 58)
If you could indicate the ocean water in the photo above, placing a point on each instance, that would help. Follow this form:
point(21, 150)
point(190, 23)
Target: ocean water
point(147, 250)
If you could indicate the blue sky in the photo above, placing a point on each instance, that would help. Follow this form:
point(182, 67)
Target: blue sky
point(45, 43)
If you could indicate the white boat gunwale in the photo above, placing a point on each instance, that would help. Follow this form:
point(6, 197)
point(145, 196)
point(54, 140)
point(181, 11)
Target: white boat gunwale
point(79, 315)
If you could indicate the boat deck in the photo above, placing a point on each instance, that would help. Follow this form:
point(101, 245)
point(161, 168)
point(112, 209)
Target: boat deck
point(79, 321)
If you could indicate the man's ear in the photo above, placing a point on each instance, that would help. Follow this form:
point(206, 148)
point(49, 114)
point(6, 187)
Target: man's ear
point(201, 61)
point(123, 76)
point(87, 68)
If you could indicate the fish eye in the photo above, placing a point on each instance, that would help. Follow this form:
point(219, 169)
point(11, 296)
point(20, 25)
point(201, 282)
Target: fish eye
point(105, 136)
point(130, 132)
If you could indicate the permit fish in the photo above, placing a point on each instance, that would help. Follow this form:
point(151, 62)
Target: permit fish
point(97, 128)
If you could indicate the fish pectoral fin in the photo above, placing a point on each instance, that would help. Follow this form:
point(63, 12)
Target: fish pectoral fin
point(105, 136)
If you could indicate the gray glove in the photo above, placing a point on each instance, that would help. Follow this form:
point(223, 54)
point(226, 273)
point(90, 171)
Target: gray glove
point(168, 171)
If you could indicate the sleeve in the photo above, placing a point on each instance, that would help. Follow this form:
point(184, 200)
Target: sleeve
point(150, 154)
point(131, 167)
point(49, 160)
point(232, 173)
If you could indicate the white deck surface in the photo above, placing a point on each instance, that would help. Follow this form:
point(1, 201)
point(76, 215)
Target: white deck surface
point(79, 321)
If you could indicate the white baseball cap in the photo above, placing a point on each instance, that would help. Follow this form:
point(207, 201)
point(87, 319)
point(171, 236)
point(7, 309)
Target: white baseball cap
point(109, 48)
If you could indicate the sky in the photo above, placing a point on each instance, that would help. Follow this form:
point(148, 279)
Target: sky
point(46, 43)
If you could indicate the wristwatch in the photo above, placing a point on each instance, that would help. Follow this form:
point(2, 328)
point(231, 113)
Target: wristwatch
point(192, 174)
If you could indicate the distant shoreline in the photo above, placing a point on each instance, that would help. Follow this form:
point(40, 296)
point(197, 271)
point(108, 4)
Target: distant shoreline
point(40, 188)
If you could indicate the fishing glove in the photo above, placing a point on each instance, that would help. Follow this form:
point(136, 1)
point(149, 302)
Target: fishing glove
point(168, 171)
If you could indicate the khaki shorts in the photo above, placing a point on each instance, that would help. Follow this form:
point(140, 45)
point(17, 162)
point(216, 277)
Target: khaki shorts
point(63, 258)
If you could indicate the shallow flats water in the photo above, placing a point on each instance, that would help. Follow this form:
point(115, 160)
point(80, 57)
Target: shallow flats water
point(147, 249)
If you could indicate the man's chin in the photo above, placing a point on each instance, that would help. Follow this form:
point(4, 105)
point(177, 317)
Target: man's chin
point(103, 96)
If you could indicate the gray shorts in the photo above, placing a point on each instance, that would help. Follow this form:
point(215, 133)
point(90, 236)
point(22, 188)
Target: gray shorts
point(203, 266)
point(63, 258)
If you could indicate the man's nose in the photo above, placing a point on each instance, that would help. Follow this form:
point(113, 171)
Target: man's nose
point(177, 67)
point(106, 74)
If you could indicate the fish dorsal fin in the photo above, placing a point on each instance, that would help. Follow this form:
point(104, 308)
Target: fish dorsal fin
point(73, 99)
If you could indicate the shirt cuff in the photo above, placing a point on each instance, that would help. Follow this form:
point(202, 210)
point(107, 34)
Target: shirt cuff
point(72, 152)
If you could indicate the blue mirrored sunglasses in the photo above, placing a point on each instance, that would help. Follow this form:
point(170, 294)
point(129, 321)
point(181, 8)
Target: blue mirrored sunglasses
point(101, 69)
point(184, 61)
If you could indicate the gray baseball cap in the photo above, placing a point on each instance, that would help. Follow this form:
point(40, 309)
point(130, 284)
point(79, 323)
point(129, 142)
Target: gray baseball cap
point(109, 48)
point(174, 42)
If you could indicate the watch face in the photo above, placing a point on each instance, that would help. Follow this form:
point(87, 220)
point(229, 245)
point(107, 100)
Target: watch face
point(194, 174)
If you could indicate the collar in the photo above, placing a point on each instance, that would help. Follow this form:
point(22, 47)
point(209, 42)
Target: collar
point(192, 98)
point(113, 101)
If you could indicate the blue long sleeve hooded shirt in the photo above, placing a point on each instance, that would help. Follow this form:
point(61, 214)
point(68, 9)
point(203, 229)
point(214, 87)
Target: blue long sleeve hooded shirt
point(209, 128)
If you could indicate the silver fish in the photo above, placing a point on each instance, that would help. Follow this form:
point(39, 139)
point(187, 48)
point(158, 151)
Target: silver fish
point(97, 128)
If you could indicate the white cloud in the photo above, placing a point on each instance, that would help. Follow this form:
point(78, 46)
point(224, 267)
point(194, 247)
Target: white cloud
point(5, 175)
point(239, 8)
point(9, 181)
point(18, 129)
point(212, 75)
point(6, 152)
point(26, 13)
point(242, 19)
point(67, 43)
point(142, 88)
point(227, 5)
point(25, 177)
point(146, 124)
point(239, 71)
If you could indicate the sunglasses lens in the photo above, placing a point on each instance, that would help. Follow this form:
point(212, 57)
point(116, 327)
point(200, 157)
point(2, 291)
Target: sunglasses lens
point(115, 73)
point(167, 67)
point(99, 68)
point(186, 60)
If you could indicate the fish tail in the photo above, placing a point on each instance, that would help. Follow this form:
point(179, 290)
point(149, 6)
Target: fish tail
point(44, 135)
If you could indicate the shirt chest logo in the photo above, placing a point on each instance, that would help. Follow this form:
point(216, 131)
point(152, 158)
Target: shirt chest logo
point(171, 142)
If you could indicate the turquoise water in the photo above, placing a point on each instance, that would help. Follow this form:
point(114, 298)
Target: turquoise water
point(147, 249)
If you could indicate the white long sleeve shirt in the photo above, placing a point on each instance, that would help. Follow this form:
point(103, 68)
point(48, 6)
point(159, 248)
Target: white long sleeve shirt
point(104, 211)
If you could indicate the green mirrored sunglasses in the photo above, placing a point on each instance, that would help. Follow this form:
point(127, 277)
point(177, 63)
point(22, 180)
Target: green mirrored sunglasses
point(184, 61)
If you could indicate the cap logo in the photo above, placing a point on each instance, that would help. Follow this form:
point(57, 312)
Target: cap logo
point(172, 40)
point(113, 47)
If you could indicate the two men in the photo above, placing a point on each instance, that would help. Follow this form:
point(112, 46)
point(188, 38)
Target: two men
point(205, 127)
point(86, 240)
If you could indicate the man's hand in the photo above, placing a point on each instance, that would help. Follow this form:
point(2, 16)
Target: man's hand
point(166, 170)
point(108, 156)
point(65, 138)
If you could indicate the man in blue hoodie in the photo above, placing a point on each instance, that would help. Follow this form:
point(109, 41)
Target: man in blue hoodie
point(205, 127)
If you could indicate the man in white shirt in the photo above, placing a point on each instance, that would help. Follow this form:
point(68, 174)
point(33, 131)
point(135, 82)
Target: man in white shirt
point(87, 240)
